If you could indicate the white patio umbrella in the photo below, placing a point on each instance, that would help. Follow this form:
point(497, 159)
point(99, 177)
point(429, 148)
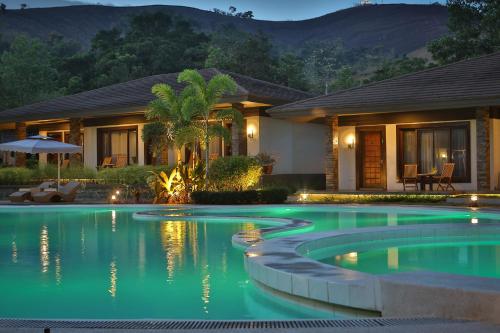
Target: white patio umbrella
point(42, 144)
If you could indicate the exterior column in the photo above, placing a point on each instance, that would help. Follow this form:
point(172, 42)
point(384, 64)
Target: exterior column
point(75, 126)
point(236, 135)
point(235, 140)
point(332, 153)
point(21, 135)
point(483, 148)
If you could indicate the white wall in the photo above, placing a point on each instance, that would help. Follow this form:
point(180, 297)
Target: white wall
point(495, 153)
point(347, 159)
point(297, 147)
point(90, 147)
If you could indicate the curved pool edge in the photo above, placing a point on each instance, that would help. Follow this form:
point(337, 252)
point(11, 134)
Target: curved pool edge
point(242, 239)
point(280, 264)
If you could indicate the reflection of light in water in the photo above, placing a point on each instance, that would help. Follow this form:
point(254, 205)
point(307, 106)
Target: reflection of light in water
point(82, 241)
point(393, 258)
point(44, 249)
point(193, 241)
point(113, 220)
point(224, 261)
point(351, 257)
point(205, 287)
point(474, 220)
point(142, 251)
point(14, 252)
point(113, 279)
point(173, 238)
point(58, 269)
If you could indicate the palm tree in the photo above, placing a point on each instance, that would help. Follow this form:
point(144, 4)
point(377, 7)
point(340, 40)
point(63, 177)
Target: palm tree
point(201, 97)
point(186, 116)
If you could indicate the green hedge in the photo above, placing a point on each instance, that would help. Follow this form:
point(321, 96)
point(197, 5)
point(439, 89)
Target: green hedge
point(24, 176)
point(270, 196)
point(133, 175)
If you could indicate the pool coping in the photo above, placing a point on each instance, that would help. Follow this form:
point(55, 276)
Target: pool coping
point(280, 264)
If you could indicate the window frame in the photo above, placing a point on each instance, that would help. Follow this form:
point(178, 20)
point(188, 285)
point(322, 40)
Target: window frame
point(433, 126)
point(101, 131)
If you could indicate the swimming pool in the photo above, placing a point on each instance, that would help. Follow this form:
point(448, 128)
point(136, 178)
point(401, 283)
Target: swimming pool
point(100, 263)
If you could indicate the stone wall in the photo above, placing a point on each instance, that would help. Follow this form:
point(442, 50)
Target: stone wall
point(483, 148)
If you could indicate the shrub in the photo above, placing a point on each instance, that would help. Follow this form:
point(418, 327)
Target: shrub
point(16, 176)
point(234, 173)
point(271, 196)
point(133, 175)
point(49, 171)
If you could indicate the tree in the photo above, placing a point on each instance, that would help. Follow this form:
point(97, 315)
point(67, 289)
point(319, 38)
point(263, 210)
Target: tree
point(26, 73)
point(344, 79)
point(3, 8)
point(241, 52)
point(475, 30)
point(323, 59)
point(23, 6)
point(289, 71)
point(188, 114)
point(232, 11)
point(154, 43)
point(398, 67)
point(200, 102)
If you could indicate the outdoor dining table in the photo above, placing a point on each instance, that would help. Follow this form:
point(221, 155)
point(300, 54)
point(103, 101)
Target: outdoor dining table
point(426, 178)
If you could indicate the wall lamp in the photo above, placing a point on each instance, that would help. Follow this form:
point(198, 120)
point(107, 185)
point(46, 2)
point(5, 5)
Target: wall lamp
point(350, 141)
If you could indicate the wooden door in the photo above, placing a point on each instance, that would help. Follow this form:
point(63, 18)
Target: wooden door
point(371, 173)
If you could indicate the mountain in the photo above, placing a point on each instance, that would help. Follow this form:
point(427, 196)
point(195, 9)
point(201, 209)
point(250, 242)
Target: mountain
point(16, 4)
point(399, 28)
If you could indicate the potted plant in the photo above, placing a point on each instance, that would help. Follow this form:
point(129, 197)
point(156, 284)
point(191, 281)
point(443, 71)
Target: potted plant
point(266, 161)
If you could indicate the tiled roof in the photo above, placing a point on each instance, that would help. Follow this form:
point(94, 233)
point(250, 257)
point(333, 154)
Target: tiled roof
point(467, 83)
point(135, 95)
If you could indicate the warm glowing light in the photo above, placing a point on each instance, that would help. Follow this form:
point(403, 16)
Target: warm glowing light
point(251, 131)
point(117, 192)
point(113, 197)
point(350, 140)
point(252, 254)
point(473, 198)
point(474, 221)
point(304, 196)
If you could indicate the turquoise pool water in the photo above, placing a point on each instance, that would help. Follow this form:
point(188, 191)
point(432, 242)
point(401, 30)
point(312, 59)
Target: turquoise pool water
point(100, 263)
point(465, 258)
point(87, 262)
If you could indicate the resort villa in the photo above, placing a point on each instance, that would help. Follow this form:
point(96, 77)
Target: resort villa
point(360, 138)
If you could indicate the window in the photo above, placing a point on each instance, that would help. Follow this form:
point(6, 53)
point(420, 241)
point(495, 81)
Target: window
point(430, 146)
point(117, 141)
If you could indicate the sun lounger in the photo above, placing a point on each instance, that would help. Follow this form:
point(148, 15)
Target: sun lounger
point(26, 193)
point(66, 193)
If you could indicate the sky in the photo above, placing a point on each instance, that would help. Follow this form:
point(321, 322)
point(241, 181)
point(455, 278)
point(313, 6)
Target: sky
point(275, 10)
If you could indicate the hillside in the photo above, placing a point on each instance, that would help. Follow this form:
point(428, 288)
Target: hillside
point(401, 28)
point(15, 4)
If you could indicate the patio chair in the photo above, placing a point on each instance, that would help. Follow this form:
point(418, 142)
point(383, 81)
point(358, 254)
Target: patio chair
point(410, 176)
point(26, 194)
point(444, 180)
point(107, 162)
point(121, 161)
point(66, 193)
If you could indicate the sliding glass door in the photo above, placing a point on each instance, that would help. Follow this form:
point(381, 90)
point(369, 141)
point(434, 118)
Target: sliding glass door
point(117, 142)
point(430, 146)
